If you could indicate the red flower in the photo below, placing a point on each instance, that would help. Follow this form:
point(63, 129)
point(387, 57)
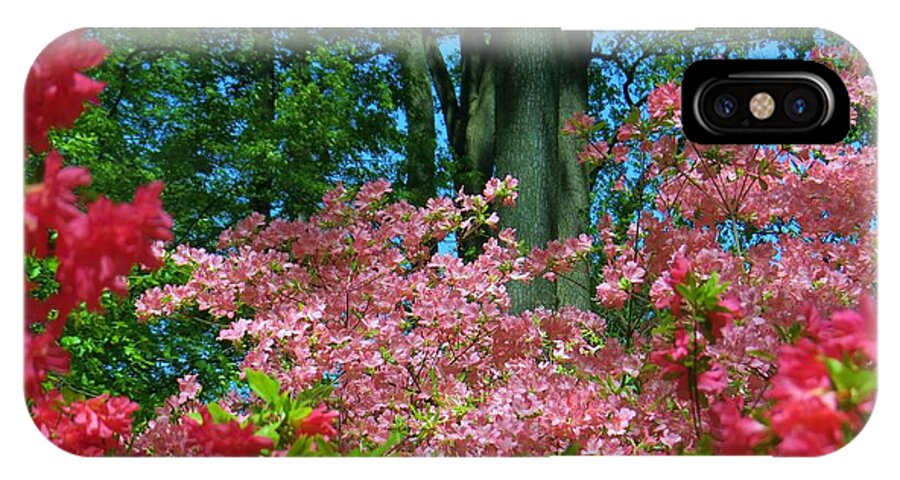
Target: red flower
point(681, 266)
point(806, 415)
point(42, 355)
point(713, 380)
point(56, 90)
point(807, 428)
point(228, 439)
point(90, 428)
point(846, 333)
point(734, 433)
point(678, 273)
point(318, 423)
point(52, 204)
point(667, 358)
point(718, 320)
point(801, 373)
point(99, 248)
point(672, 361)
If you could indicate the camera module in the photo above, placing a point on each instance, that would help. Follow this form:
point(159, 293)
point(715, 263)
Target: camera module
point(763, 101)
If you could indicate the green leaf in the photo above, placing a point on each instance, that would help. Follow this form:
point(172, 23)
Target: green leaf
point(686, 292)
point(300, 447)
point(299, 412)
point(395, 438)
point(263, 385)
point(194, 416)
point(270, 431)
point(571, 450)
point(325, 448)
point(859, 382)
point(762, 354)
point(706, 445)
point(219, 415)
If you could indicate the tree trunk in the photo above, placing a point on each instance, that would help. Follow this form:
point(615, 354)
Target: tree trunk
point(477, 100)
point(469, 118)
point(476, 164)
point(574, 190)
point(419, 169)
point(261, 182)
point(527, 99)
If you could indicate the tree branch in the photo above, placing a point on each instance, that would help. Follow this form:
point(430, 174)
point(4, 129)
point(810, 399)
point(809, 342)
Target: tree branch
point(443, 84)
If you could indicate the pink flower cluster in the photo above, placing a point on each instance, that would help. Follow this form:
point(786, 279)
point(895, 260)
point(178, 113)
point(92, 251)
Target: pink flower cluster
point(781, 227)
point(227, 439)
point(425, 339)
point(665, 102)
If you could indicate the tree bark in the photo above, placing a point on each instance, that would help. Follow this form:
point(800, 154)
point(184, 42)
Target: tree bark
point(574, 188)
point(526, 123)
point(419, 169)
point(477, 88)
point(470, 117)
point(260, 198)
point(446, 92)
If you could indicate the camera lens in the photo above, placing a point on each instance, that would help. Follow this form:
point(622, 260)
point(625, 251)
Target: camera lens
point(725, 105)
point(801, 105)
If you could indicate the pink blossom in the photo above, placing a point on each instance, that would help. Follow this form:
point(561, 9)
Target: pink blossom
point(620, 421)
point(713, 380)
point(594, 153)
point(633, 273)
point(665, 102)
point(236, 331)
point(579, 124)
point(610, 295)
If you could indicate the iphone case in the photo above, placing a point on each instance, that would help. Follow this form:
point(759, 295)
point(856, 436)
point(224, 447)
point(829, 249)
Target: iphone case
point(437, 242)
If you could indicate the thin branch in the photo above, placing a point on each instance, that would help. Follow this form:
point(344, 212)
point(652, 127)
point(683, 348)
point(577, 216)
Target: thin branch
point(443, 85)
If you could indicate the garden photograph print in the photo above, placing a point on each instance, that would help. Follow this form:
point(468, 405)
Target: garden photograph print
point(437, 242)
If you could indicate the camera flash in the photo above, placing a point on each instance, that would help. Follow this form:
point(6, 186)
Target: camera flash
point(762, 105)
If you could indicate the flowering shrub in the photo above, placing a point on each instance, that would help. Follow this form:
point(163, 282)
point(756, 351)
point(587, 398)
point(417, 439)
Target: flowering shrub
point(93, 250)
point(821, 394)
point(361, 338)
point(423, 344)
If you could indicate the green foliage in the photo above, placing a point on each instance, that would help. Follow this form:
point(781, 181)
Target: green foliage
point(789, 334)
point(854, 384)
point(41, 272)
point(702, 296)
point(280, 414)
point(114, 352)
point(237, 121)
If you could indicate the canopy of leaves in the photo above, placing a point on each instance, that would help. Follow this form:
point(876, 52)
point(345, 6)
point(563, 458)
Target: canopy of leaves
point(237, 121)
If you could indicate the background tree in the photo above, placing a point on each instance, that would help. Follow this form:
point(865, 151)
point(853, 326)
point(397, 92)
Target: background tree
point(574, 183)
point(239, 120)
point(420, 173)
